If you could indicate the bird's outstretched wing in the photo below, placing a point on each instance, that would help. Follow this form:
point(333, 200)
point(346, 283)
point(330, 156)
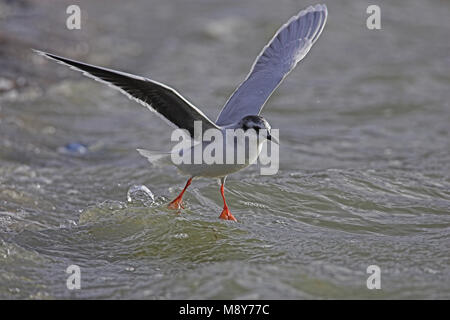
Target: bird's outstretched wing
point(156, 96)
point(290, 44)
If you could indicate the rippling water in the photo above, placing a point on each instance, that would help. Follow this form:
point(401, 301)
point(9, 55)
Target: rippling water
point(364, 171)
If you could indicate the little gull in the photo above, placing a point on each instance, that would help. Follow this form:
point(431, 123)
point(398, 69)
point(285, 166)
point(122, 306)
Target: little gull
point(289, 45)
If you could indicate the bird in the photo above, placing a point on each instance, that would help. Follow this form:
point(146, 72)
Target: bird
point(242, 110)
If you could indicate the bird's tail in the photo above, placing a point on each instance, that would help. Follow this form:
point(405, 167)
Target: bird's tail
point(155, 157)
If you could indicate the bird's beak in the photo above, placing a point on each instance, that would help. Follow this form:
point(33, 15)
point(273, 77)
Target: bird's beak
point(272, 138)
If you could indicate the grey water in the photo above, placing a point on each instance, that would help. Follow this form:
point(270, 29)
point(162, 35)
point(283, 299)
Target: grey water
point(364, 174)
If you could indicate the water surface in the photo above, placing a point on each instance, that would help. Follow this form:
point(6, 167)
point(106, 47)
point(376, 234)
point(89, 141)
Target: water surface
point(364, 173)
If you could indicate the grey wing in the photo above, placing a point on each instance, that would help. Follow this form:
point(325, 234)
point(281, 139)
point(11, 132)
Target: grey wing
point(290, 44)
point(158, 97)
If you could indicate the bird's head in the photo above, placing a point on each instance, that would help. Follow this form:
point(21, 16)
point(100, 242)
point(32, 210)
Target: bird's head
point(256, 123)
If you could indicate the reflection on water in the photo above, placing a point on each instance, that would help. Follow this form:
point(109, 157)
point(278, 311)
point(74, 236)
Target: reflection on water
point(365, 153)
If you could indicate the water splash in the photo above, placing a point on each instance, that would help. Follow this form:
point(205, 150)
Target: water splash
point(140, 193)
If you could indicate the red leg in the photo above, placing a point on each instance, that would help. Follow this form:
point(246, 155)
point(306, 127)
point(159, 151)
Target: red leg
point(177, 202)
point(226, 214)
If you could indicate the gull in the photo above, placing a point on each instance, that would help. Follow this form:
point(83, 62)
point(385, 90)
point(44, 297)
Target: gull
point(278, 58)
